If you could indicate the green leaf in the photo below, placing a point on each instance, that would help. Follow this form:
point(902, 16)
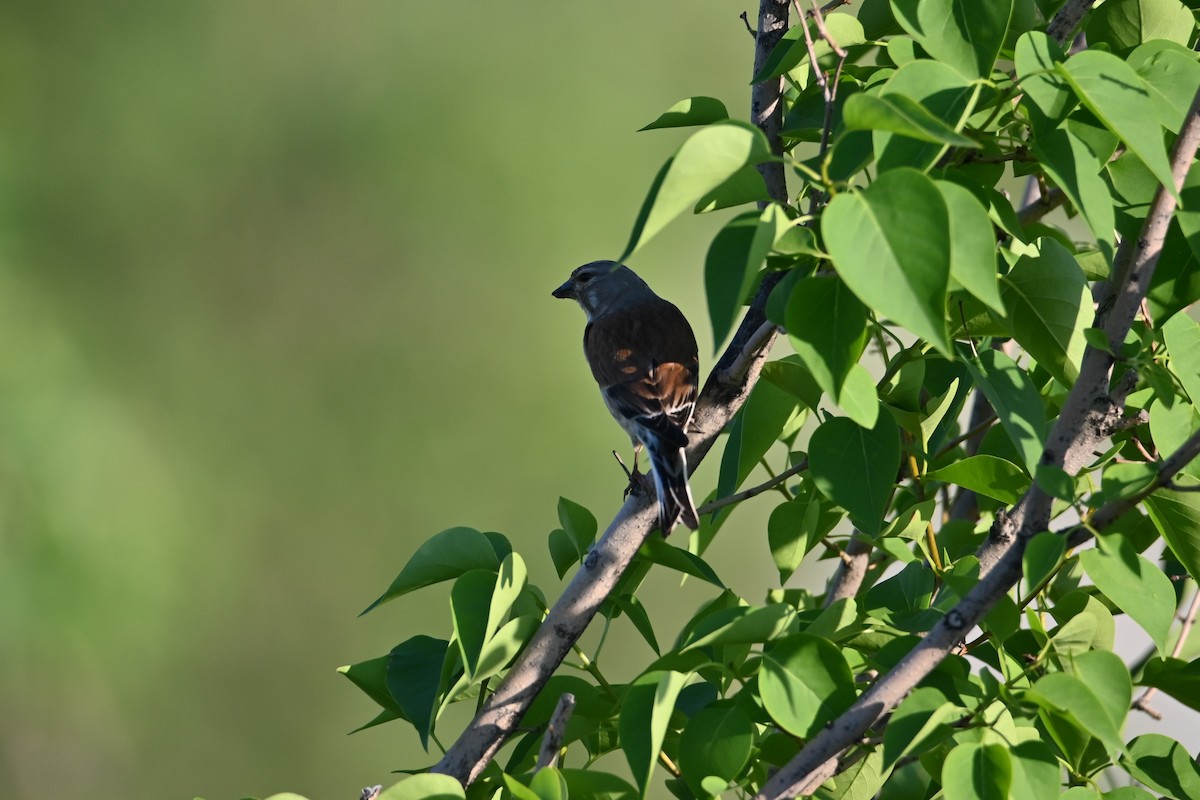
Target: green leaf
point(756, 625)
point(690, 111)
point(900, 115)
point(371, 677)
point(921, 717)
point(859, 398)
point(708, 158)
point(1046, 97)
point(986, 475)
point(891, 245)
point(1137, 586)
point(469, 602)
point(596, 785)
point(562, 551)
point(578, 522)
point(633, 608)
point(1171, 72)
point(795, 528)
point(1067, 159)
point(658, 550)
point(744, 186)
point(1016, 401)
point(1177, 517)
point(1178, 678)
point(427, 786)
point(963, 34)
point(645, 711)
point(835, 622)
point(1049, 306)
point(716, 741)
point(414, 672)
point(792, 50)
point(805, 682)
point(972, 245)
point(1120, 99)
point(1170, 426)
point(1096, 697)
point(977, 772)
point(443, 557)
point(827, 326)
point(1164, 765)
point(502, 647)
point(1182, 337)
point(734, 258)
point(1041, 557)
point(1124, 24)
point(548, 784)
point(943, 92)
point(856, 468)
point(1035, 771)
point(756, 427)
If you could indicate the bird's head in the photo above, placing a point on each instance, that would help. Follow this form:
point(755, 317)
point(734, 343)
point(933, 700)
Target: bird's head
point(601, 284)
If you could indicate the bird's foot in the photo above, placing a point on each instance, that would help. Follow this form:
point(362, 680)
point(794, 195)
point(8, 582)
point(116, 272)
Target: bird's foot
point(638, 481)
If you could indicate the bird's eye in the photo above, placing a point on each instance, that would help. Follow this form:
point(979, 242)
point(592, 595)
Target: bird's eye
point(584, 277)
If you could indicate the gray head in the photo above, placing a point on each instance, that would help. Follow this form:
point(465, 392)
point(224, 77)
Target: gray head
point(600, 285)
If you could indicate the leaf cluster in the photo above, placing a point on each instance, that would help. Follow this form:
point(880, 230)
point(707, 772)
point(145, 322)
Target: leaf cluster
point(937, 329)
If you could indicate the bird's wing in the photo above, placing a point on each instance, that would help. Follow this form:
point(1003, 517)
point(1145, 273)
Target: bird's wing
point(646, 362)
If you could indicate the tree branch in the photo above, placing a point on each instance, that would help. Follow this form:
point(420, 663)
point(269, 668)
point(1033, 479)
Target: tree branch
point(1062, 28)
point(1087, 417)
point(724, 393)
point(555, 730)
point(1188, 620)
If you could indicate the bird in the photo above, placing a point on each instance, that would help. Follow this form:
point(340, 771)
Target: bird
point(643, 354)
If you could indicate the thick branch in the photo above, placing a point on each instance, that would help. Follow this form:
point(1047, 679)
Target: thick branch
point(1087, 416)
point(724, 393)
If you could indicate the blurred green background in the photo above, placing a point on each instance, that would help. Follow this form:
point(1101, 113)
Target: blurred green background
point(274, 308)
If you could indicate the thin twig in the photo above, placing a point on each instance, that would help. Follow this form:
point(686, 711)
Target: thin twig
point(1041, 206)
point(746, 494)
point(555, 730)
point(1188, 619)
point(760, 340)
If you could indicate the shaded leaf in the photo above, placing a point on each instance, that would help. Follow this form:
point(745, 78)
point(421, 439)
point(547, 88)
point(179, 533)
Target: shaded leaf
point(690, 111)
point(1177, 517)
point(1164, 765)
point(977, 772)
point(1049, 306)
point(1016, 401)
point(827, 327)
point(856, 468)
point(717, 741)
point(645, 711)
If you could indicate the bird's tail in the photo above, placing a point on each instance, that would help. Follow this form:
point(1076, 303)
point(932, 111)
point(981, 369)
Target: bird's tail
point(669, 466)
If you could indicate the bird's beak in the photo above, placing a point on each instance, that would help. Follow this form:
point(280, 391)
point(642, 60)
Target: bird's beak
point(566, 291)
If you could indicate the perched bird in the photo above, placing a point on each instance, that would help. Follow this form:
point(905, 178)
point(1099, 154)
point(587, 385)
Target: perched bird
point(643, 354)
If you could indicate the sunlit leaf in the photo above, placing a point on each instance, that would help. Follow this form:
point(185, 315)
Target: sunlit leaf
point(706, 160)
point(891, 245)
point(805, 682)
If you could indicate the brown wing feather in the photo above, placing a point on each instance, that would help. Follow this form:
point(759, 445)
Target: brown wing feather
point(646, 362)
